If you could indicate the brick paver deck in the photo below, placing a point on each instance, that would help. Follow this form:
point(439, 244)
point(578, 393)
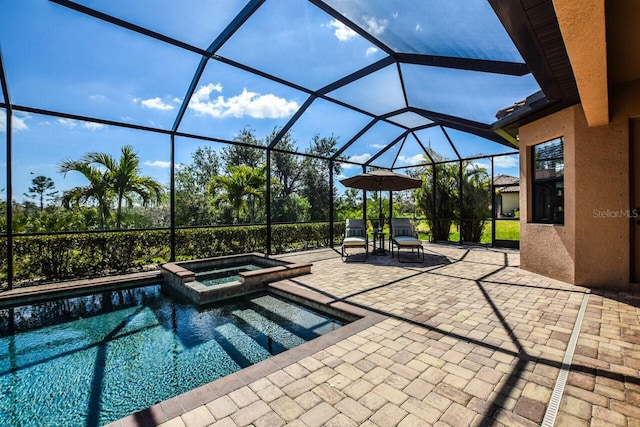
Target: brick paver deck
point(465, 338)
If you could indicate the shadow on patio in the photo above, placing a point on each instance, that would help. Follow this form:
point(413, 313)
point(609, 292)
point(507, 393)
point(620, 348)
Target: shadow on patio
point(464, 339)
point(500, 339)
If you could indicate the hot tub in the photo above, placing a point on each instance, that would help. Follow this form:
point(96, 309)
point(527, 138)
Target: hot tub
point(207, 280)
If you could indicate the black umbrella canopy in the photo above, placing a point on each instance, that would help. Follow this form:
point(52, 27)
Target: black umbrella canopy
point(382, 180)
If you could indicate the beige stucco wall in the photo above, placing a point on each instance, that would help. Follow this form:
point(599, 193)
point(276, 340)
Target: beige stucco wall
point(593, 247)
point(544, 248)
point(582, 23)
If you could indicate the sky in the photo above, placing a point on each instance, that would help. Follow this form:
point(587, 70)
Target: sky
point(61, 60)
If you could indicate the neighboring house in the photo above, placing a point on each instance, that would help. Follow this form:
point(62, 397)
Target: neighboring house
point(507, 195)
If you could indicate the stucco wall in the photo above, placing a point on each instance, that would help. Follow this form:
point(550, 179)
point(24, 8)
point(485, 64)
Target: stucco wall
point(602, 227)
point(593, 248)
point(544, 248)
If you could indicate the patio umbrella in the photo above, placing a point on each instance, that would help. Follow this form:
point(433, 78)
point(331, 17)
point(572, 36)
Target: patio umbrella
point(381, 180)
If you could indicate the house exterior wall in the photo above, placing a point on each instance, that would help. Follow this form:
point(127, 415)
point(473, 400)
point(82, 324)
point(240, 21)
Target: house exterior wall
point(544, 248)
point(510, 201)
point(593, 247)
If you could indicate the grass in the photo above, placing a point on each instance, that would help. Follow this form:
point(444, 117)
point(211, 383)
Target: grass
point(505, 230)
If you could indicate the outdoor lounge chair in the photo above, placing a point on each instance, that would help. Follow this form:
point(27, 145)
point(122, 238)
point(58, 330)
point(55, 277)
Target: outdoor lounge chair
point(355, 236)
point(404, 237)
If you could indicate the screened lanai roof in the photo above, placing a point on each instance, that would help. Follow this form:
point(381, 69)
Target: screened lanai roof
point(388, 79)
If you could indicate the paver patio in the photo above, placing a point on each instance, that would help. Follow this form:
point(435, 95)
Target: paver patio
point(465, 338)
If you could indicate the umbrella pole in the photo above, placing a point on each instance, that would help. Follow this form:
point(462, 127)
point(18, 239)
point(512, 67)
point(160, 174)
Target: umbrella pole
point(380, 250)
point(381, 225)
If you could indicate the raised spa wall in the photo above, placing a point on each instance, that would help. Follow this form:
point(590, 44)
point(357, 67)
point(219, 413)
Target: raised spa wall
point(179, 278)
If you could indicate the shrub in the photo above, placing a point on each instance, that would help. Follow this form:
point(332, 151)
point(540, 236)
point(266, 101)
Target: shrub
point(74, 255)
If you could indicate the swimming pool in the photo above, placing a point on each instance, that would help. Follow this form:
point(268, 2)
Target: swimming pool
point(95, 359)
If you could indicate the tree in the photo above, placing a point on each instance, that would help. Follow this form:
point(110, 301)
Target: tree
point(194, 203)
point(124, 176)
point(243, 188)
point(40, 189)
point(443, 204)
point(287, 204)
point(315, 176)
point(53, 218)
point(286, 166)
point(443, 190)
point(475, 202)
point(99, 188)
point(206, 164)
point(121, 178)
point(349, 204)
point(246, 153)
point(374, 212)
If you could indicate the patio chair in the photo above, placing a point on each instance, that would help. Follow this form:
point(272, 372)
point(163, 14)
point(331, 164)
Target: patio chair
point(403, 236)
point(355, 236)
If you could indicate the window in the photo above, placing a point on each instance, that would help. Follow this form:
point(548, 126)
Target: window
point(548, 182)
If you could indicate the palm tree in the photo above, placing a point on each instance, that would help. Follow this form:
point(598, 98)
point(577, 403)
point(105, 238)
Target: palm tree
point(438, 199)
point(476, 198)
point(242, 183)
point(256, 187)
point(99, 188)
point(122, 178)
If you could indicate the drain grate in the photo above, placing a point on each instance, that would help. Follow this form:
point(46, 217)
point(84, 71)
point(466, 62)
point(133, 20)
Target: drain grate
point(549, 419)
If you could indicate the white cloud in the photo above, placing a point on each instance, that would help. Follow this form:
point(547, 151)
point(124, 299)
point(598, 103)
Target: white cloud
point(177, 100)
point(506, 162)
point(97, 97)
point(18, 122)
point(419, 28)
point(341, 31)
point(360, 158)
point(67, 123)
point(153, 124)
point(375, 26)
point(158, 164)
point(92, 125)
point(418, 159)
point(246, 104)
point(70, 123)
point(378, 146)
point(156, 104)
point(480, 165)
point(348, 166)
point(371, 51)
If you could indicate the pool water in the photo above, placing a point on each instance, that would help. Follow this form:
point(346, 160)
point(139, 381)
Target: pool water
point(224, 275)
point(91, 360)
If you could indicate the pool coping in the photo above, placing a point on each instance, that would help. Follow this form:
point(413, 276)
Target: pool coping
point(73, 288)
point(176, 406)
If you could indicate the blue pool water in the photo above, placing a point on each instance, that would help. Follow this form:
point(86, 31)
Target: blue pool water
point(91, 360)
point(224, 275)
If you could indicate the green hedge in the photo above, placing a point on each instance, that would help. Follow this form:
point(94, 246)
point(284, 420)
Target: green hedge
point(48, 258)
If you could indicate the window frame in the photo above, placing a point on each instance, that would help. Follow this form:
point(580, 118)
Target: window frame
point(547, 206)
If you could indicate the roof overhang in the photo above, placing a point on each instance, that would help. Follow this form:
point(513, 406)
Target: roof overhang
point(583, 28)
